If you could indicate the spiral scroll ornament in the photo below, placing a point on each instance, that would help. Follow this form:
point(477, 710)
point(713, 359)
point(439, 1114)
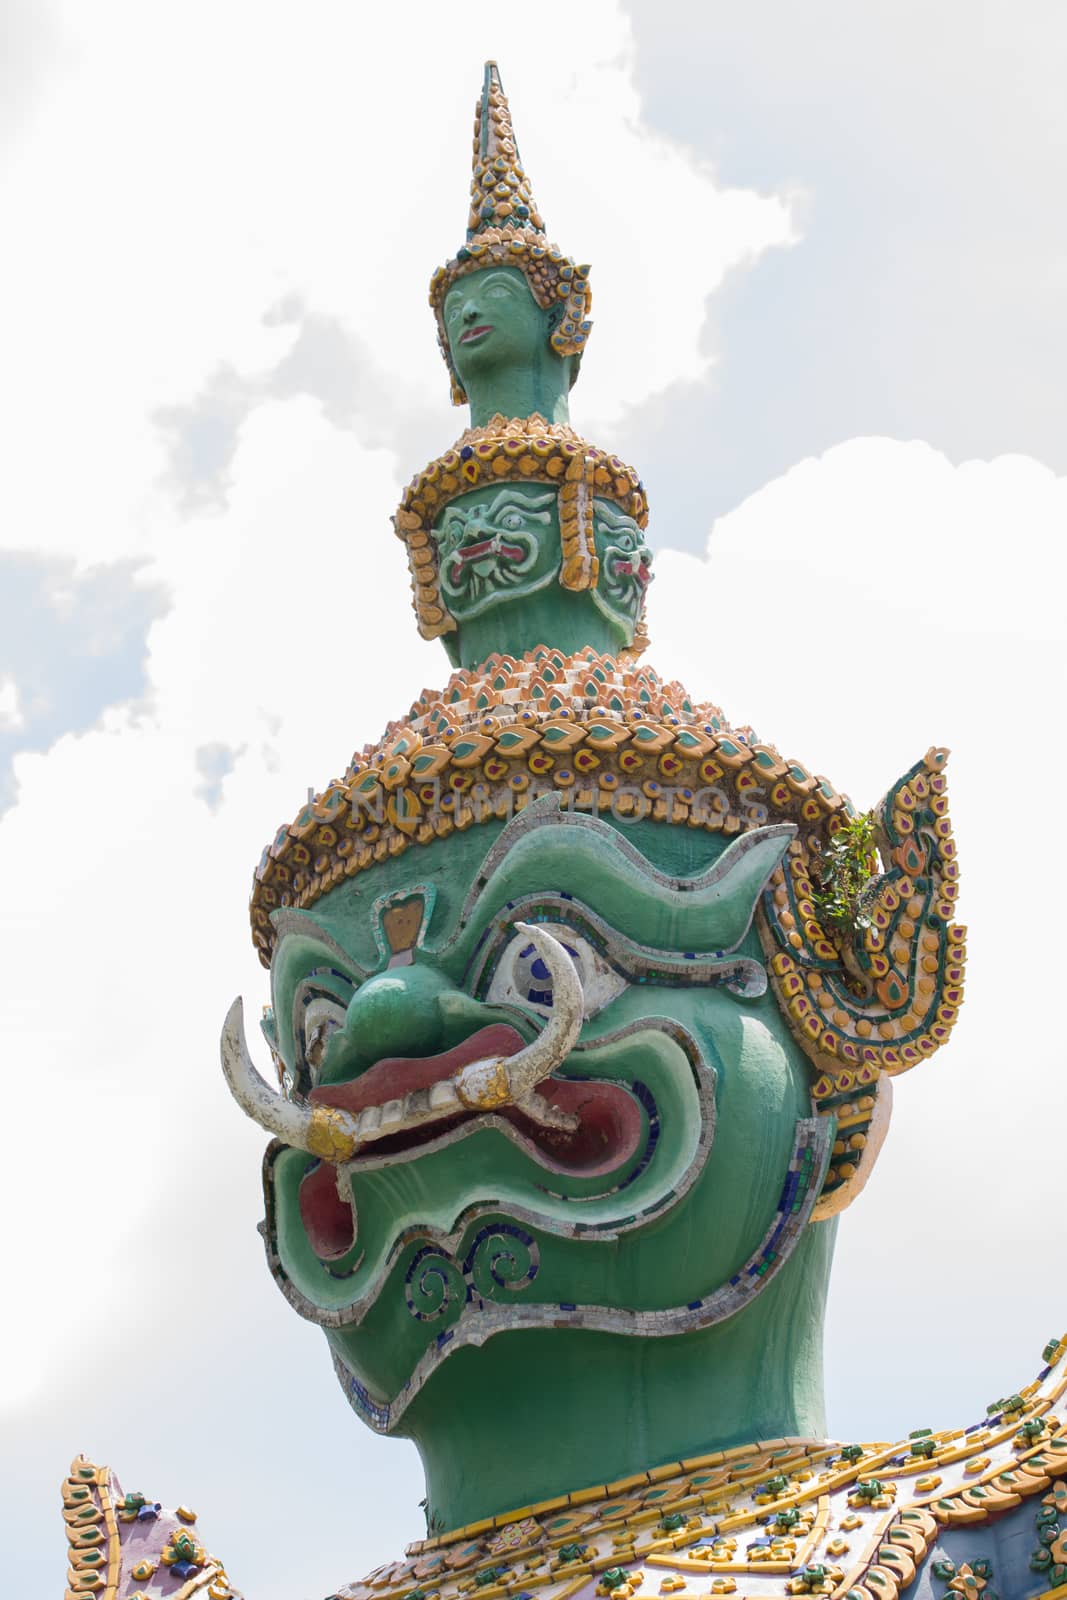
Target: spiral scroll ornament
point(432, 1284)
point(502, 1260)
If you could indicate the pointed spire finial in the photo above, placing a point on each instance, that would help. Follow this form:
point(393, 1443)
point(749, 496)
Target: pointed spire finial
point(500, 190)
point(505, 228)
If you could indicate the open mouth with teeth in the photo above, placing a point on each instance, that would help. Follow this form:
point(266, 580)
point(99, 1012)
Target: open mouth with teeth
point(498, 549)
point(640, 570)
point(573, 1126)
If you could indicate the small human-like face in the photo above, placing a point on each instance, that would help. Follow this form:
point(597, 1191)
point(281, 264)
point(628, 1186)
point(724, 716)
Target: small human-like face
point(492, 321)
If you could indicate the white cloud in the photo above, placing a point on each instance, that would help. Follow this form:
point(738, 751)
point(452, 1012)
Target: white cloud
point(924, 299)
point(202, 164)
point(10, 707)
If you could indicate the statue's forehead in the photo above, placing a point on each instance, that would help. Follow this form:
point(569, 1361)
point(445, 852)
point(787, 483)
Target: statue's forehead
point(537, 497)
point(349, 914)
point(523, 496)
point(457, 869)
point(483, 279)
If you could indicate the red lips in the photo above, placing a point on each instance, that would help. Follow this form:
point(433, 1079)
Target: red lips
point(484, 547)
point(643, 573)
point(608, 1132)
point(394, 1077)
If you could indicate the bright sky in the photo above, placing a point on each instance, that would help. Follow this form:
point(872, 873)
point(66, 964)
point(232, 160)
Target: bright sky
point(828, 249)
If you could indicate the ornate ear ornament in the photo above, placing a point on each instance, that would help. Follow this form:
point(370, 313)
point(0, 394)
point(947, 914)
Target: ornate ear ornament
point(867, 965)
point(516, 450)
point(505, 229)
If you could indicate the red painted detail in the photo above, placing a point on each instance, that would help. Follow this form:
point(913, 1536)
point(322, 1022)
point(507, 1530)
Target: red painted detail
point(396, 1076)
point(610, 1121)
point(327, 1219)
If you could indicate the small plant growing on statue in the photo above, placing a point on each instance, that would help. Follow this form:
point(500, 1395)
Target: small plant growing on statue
point(847, 870)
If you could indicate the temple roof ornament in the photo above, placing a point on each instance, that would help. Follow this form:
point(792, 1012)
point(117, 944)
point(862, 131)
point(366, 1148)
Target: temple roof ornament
point(124, 1546)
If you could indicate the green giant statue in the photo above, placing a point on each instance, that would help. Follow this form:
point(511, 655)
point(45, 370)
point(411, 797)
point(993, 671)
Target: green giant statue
point(584, 1010)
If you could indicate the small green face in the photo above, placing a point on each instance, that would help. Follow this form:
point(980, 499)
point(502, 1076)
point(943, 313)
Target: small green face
point(497, 545)
point(493, 323)
point(686, 1096)
point(499, 556)
point(625, 563)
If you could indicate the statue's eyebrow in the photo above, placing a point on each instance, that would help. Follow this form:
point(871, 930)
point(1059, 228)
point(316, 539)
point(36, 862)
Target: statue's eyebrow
point(547, 850)
point(604, 511)
point(504, 500)
point(295, 929)
point(487, 276)
point(507, 497)
point(497, 274)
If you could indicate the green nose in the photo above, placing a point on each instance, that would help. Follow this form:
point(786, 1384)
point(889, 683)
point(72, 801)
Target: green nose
point(398, 1013)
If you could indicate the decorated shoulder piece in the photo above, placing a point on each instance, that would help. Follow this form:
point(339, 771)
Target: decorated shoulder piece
point(789, 1516)
point(124, 1546)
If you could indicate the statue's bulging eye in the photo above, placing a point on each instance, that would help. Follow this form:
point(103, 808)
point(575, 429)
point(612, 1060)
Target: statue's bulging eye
point(512, 520)
point(522, 978)
point(531, 977)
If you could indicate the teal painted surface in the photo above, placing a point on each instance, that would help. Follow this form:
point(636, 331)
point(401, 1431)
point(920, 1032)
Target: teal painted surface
point(534, 1412)
point(1007, 1544)
point(510, 367)
point(499, 550)
point(507, 607)
point(568, 619)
